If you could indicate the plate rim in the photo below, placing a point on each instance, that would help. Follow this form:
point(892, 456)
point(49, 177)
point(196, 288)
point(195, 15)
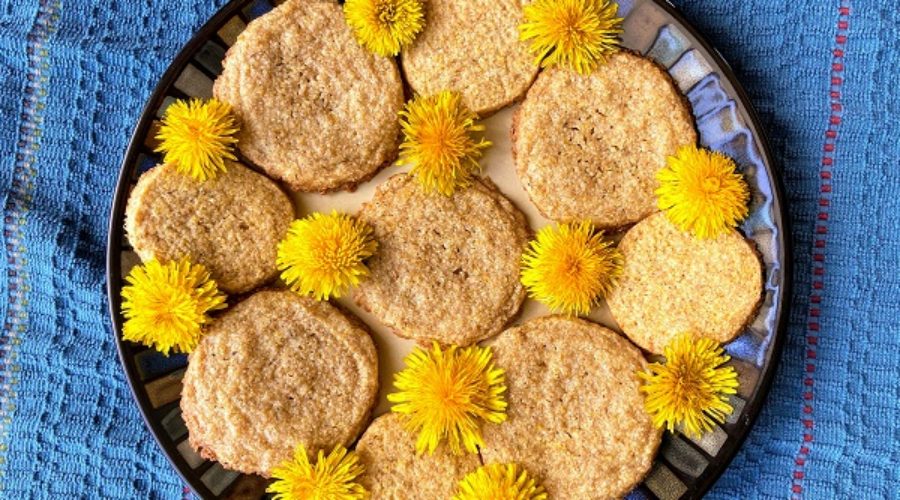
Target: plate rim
point(785, 251)
point(115, 231)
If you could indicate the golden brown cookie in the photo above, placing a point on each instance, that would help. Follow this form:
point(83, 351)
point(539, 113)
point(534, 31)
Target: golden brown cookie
point(317, 111)
point(447, 268)
point(395, 472)
point(674, 283)
point(231, 224)
point(275, 371)
point(576, 416)
point(472, 47)
point(590, 146)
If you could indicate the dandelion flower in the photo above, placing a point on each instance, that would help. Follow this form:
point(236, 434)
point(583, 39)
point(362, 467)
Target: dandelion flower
point(323, 255)
point(439, 142)
point(197, 137)
point(499, 482)
point(691, 388)
point(575, 34)
point(333, 477)
point(446, 393)
point(570, 267)
point(166, 305)
point(702, 193)
point(384, 26)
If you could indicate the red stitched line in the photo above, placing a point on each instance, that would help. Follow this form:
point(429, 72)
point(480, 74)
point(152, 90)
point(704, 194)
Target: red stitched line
point(813, 327)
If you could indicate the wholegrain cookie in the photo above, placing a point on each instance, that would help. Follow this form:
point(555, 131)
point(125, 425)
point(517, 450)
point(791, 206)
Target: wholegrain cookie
point(447, 267)
point(275, 371)
point(576, 417)
point(472, 47)
point(590, 146)
point(230, 224)
point(394, 471)
point(317, 111)
point(674, 283)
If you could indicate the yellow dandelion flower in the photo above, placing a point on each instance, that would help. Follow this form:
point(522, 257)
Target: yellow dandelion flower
point(333, 477)
point(323, 255)
point(691, 388)
point(439, 143)
point(385, 26)
point(499, 482)
point(446, 393)
point(702, 193)
point(166, 305)
point(570, 267)
point(197, 137)
point(575, 34)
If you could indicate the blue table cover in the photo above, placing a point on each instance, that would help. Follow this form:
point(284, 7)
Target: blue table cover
point(823, 75)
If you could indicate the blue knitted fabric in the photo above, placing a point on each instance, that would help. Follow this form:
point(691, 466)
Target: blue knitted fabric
point(74, 75)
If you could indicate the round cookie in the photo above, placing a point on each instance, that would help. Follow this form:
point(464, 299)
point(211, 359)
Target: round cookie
point(395, 472)
point(275, 371)
point(576, 417)
point(590, 146)
point(673, 283)
point(317, 111)
point(447, 268)
point(231, 224)
point(473, 47)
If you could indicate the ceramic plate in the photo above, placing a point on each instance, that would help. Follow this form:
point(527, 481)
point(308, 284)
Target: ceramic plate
point(684, 467)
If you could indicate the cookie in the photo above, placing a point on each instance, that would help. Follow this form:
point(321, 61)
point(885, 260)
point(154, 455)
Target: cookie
point(674, 283)
point(317, 111)
point(275, 371)
point(447, 268)
point(576, 418)
point(472, 47)
point(395, 472)
point(231, 224)
point(590, 146)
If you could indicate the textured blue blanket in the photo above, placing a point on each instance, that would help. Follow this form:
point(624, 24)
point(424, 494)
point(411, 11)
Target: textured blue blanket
point(75, 73)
